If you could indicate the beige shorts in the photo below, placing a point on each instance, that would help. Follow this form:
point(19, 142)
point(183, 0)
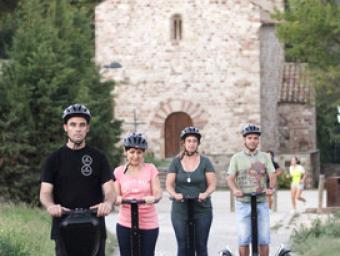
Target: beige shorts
point(297, 186)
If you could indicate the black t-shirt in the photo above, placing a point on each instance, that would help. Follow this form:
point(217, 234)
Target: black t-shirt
point(276, 167)
point(77, 177)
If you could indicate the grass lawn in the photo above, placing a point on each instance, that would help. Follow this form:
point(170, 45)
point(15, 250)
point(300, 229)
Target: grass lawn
point(25, 231)
point(319, 239)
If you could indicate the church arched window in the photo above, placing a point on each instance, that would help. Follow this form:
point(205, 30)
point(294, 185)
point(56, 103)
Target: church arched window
point(176, 28)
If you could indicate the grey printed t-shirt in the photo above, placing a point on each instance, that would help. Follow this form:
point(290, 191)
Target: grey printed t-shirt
point(250, 171)
point(197, 184)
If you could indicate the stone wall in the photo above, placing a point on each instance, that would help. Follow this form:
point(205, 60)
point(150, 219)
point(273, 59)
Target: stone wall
point(269, 5)
point(297, 128)
point(212, 74)
point(272, 59)
point(221, 164)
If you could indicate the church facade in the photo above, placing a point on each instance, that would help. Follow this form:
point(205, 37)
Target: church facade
point(213, 64)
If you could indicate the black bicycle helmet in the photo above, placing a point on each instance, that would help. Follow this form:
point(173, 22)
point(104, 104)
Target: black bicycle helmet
point(251, 129)
point(135, 140)
point(190, 131)
point(76, 110)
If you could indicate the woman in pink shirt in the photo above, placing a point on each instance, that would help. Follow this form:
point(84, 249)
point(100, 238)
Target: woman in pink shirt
point(137, 180)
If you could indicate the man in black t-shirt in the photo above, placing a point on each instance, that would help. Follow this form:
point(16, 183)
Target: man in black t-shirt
point(77, 176)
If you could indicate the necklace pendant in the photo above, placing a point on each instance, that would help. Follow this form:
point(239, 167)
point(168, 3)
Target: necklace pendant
point(188, 179)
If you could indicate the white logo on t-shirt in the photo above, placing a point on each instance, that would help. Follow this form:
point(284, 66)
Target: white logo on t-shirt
point(87, 160)
point(86, 169)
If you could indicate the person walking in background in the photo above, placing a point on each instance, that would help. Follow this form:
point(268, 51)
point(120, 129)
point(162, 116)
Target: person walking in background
point(137, 180)
point(191, 174)
point(298, 176)
point(77, 176)
point(246, 174)
point(277, 173)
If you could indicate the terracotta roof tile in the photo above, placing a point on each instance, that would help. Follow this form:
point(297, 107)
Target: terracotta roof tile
point(295, 87)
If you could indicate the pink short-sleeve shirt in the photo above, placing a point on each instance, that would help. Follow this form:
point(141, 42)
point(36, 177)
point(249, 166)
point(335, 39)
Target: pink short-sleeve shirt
point(137, 187)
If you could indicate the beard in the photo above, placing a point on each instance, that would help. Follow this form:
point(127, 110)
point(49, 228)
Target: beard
point(250, 147)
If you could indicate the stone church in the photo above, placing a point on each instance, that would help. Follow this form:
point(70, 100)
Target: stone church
point(212, 64)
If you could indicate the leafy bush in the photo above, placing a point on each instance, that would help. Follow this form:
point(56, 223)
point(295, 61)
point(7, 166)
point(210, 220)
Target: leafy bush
point(283, 181)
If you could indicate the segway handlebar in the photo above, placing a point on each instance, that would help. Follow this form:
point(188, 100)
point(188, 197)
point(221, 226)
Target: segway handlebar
point(137, 201)
point(187, 198)
point(256, 194)
point(80, 211)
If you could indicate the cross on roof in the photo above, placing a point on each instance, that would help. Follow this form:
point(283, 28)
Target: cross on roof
point(135, 122)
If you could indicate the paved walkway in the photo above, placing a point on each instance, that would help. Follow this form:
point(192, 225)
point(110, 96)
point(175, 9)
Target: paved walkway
point(223, 230)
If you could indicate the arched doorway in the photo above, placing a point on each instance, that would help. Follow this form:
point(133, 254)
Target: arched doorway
point(174, 124)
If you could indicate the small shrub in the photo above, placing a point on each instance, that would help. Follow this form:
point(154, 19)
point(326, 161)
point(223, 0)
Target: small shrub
point(283, 181)
point(319, 239)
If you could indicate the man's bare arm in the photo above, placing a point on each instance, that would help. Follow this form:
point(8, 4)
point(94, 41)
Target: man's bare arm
point(46, 199)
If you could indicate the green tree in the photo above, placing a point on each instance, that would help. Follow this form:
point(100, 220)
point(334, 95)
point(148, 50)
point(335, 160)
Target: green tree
point(311, 31)
point(8, 5)
point(7, 18)
point(7, 26)
point(51, 66)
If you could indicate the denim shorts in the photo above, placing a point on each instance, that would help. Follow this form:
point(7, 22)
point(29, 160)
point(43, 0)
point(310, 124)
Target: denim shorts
point(243, 212)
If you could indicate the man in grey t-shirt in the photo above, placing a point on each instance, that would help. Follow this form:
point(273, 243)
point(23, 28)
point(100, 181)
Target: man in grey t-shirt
point(246, 174)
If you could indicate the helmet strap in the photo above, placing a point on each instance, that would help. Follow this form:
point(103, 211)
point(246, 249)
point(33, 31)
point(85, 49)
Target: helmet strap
point(126, 168)
point(76, 144)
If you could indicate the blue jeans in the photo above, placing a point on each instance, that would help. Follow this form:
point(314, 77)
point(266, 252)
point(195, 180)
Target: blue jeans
point(243, 212)
point(202, 228)
point(148, 238)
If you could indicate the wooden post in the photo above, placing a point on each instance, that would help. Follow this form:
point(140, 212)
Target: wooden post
point(232, 201)
point(275, 201)
point(321, 188)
